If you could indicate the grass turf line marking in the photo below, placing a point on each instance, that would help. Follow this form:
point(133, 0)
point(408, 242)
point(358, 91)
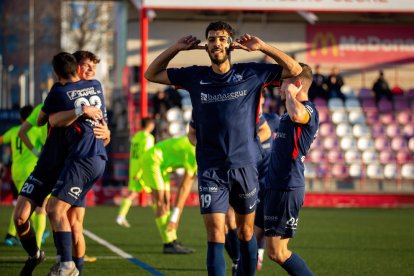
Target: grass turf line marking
point(121, 253)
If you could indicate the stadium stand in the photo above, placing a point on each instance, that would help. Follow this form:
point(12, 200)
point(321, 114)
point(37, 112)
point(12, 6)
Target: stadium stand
point(363, 142)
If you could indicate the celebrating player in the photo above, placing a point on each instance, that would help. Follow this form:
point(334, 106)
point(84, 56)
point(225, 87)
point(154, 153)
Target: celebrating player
point(225, 99)
point(285, 182)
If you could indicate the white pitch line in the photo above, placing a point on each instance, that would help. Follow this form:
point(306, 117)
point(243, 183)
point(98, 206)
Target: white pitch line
point(108, 245)
point(7, 258)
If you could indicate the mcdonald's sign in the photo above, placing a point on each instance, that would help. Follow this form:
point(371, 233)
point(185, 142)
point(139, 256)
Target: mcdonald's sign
point(359, 44)
point(324, 43)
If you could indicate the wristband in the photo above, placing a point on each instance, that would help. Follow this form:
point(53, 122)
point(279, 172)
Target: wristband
point(174, 215)
point(79, 111)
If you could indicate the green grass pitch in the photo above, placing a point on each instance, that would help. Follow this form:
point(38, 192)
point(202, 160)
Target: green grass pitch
point(332, 241)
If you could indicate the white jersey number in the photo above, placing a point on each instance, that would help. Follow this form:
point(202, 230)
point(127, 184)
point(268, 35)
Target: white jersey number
point(93, 101)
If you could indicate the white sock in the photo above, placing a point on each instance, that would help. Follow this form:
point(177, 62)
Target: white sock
point(67, 265)
point(260, 253)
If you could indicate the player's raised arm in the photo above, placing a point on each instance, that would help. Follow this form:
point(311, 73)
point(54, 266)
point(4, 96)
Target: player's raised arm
point(157, 70)
point(291, 67)
point(296, 110)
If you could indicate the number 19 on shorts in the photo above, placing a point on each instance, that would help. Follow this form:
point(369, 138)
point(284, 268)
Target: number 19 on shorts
point(205, 200)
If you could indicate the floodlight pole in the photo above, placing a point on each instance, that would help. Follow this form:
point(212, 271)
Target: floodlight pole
point(31, 53)
point(144, 58)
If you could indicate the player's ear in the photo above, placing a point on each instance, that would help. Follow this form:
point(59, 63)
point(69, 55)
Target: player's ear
point(229, 41)
point(298, 83)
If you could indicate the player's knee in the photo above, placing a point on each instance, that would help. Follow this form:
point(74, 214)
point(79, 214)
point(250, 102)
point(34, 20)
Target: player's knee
point(278, 256)
point(245, 232)
point(215, 234)
point(53, 213)
point(20, 222)
point(77, 234)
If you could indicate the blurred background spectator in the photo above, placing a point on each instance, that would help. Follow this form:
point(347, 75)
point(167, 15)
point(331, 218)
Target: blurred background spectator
point(334, 83)
point(381, 88)
point(318, 88)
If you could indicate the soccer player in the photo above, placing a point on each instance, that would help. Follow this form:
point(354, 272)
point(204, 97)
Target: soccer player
point(157, 164)
point(86, 158)
point(40, 183)
point(23, 162)
point(225, 99)
point(87, 62)
point(39, 216)
point(140, 143)
point(285, 182)
point(272, 120)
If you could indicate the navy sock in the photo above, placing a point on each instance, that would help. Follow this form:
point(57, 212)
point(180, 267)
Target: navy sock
point(216, 263)
point(248, 260)
point(295, 265)
point(79, 263)
point(54, 240)
point(63, 245)
point(262, 244)
point(232, 245)
point(28, 241)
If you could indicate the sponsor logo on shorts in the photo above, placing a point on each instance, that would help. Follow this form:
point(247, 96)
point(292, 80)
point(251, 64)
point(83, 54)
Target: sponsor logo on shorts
point(280, 135)
point(266, 145)
point(252, 205)
point(292, 223)
point(252, 193)
point(271, 218)
point(209, 189)
point(75, 192)
point(34, 180)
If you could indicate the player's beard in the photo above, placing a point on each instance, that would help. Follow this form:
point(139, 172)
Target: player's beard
point(219, 61)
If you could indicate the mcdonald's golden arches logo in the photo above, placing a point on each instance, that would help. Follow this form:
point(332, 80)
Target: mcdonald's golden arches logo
point(324, 41)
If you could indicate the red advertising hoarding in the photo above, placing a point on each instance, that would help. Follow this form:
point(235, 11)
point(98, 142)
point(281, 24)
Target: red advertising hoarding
point(365, 44)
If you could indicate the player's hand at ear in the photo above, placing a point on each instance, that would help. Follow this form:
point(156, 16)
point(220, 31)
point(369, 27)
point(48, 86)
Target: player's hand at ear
point(249, 43)
point(293, 89)
point(188, 43)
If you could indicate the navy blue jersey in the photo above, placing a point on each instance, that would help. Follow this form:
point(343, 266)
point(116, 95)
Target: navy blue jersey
point(51, 161)
point(80, 138)
point(292, 143)
point(272, 120)
point(225, 109)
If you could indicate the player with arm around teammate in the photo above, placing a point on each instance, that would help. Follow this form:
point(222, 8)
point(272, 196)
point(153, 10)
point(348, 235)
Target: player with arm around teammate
point(225, 99)
point(285, 182)
point(86, 159)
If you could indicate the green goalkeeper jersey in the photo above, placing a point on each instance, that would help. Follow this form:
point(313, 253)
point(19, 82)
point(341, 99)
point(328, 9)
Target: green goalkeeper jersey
point(23, 159)
point(140, 143)
point(176, 153)
point(32, 119)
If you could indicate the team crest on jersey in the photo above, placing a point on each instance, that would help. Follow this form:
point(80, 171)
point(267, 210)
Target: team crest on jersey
point(237, 77)
point(75, 94)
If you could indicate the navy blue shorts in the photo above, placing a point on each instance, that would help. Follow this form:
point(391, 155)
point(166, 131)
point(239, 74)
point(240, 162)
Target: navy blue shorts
point(220, 187)
point(38, 187)
point(77, 178)
point(281, 211)
point(259, 217)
